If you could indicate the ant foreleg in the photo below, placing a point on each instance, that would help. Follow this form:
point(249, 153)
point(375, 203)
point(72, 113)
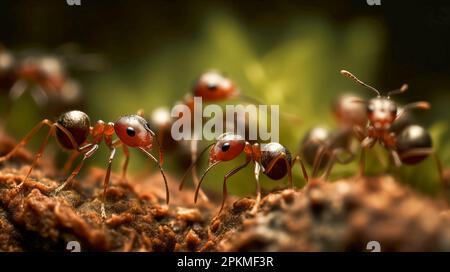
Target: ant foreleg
point(258, 189)
point(225, 178)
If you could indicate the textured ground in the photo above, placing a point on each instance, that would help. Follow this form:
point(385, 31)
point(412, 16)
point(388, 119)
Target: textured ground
point(323, 216)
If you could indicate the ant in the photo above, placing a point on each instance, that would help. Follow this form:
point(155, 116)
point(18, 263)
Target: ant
point(71, 131)
point(273, 159)
point(45, 76)
point(47, 79)
point(410, 145)
point(322, 148)
point(211, 86)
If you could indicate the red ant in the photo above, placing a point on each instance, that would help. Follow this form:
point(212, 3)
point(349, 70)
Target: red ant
point(46, 78)
point(410, 145)
point(71, 131)
point(322, 148)
point(272, 159)
point(211, 86)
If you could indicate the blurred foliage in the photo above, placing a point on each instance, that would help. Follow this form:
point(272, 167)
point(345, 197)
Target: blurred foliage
point(298, 68)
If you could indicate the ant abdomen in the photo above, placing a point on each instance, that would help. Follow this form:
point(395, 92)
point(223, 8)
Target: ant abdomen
point(413, 137)
point(77, 123)
point(313, 140)
point(271, 151)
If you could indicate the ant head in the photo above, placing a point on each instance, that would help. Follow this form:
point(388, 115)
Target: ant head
point(381, 112)
point(134, 131)
point(213, 86)
point(227, 147)
point(75, 122)
point(349, 112)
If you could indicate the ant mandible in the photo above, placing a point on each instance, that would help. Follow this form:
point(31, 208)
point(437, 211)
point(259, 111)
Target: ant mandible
point(273, 159)
point(322, 148)
point(71, 131)
point(410, 145)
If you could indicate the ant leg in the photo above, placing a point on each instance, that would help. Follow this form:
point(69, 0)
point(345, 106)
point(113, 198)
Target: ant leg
point(359, 133)
point(302, 165)
point(26, 139)
point(368, 142)
point(425, 152)
point(106, 181)
point(225, 178)
point(91, 150)
point(38, 155)
point(258, 189)
point(330, 164)
point(281, 156)
point(73, 156)
point(126, 152)
point(396, 158)
point(18, 89)
point(318, 159)
point(195, 179)
point(39, 96)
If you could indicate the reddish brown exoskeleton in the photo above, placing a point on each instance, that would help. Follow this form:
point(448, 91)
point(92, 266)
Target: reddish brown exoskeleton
point(272, 159)
point(211, 86)
point(74, 132)
point(408, 145)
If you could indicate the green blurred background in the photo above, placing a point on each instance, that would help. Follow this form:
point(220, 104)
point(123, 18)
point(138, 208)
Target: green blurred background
point(282, 52)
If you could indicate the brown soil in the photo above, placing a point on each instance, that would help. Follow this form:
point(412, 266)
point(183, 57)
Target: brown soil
point(323, 216)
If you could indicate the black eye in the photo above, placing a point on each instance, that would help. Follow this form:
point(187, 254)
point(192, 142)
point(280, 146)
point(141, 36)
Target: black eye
point(226, 147)
point(131, 132)
point(212, 86)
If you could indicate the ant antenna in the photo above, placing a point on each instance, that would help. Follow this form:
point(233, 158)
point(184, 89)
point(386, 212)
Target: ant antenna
point(350, 75)
point(202, 178)
point(160, 169)
point(192, 165)
point(402, 89)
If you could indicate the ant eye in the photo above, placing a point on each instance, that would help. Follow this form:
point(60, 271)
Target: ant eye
point(212, 86)
point(226, 147)
point(131, 132)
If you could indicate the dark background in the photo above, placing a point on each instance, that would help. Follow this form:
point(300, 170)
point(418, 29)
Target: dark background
point(418, 31)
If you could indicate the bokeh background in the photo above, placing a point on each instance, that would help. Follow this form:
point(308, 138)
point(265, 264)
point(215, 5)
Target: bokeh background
point(282, 52)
